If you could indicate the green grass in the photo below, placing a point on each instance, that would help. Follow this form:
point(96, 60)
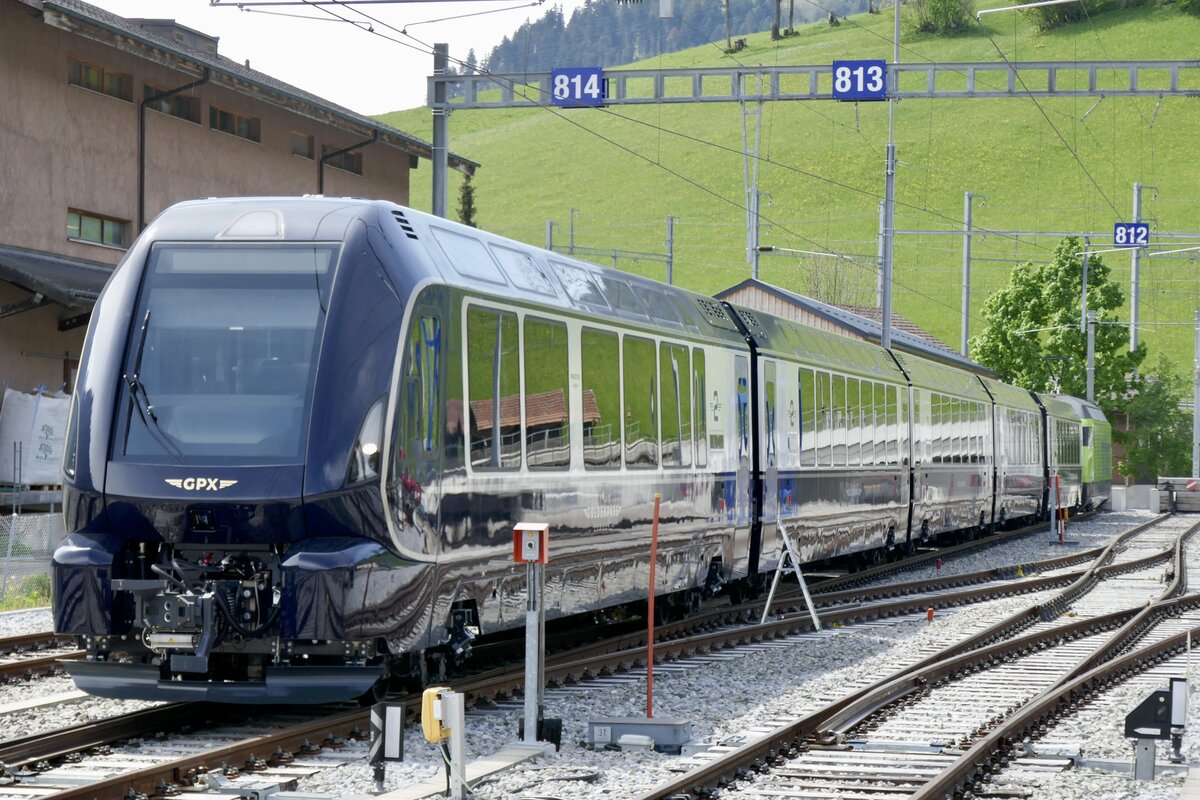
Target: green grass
point(626, 168)
point(29, 592)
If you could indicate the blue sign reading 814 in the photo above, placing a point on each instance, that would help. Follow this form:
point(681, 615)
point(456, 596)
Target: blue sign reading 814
point(577, 86)
point(860, 80)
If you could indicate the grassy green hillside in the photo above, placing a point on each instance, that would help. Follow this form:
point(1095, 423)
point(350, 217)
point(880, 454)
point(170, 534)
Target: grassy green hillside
point(627, 168)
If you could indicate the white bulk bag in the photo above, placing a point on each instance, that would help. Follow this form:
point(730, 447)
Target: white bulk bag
point(37, 424)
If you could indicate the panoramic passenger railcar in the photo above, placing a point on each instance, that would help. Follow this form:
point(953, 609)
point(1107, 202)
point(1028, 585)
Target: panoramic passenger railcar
point(1096, 446)
point(1062, 436)
point(952, 448)
point(304, 428)
point(1019, 469)
point(832, 439)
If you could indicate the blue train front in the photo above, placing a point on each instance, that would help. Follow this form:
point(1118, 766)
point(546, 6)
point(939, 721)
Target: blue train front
point(222, 474)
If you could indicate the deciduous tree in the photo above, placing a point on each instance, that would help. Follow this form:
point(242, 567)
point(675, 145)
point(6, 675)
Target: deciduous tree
point(1033, 336)
point(1159, 441)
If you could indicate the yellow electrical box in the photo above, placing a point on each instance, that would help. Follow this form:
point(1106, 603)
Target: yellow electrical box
point(431, 726)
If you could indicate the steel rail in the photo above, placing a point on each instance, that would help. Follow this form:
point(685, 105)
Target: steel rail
point(26, 668)
point(184, 771)
point(42, 640)
point(55, 744)
point(985, 647)
point(970, 770)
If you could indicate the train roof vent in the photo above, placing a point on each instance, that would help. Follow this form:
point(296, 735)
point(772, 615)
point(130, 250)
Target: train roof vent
point(408, 229)
point(714, 312)
point(752, 322)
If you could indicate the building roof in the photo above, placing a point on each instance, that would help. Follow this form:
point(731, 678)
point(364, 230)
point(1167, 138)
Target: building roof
point(543, 408)
point(899, 323)
point(906, 335)
point(128, 35)
point(70, 282)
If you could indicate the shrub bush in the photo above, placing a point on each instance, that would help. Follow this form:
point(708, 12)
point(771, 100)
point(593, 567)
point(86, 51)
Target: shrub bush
point(941, 16)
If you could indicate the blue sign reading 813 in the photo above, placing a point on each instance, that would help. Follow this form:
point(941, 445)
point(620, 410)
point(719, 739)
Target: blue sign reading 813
point(860, 80)
point(577, 86)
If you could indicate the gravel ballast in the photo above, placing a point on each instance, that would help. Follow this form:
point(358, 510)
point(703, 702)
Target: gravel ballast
point(721, 698)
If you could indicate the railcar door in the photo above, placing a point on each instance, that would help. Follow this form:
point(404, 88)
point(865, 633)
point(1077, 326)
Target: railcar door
point(743, 484)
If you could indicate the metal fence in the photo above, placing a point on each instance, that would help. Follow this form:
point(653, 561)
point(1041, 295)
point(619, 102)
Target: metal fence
point(27, 541)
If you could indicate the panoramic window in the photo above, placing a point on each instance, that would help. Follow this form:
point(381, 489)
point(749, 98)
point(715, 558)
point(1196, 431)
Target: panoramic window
point(523, 270)
point(547, 395)
point(893, 426)
point(600, 353)
point(824, 417)
point(468, 256)
point(676, 406)
point(493, 386)
point(808, 418)
point(853, 423)
point(700, 395)
point(99, 79)
point(839, 421)
point(641, 402)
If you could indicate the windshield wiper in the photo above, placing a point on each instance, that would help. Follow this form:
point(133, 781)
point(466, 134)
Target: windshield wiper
point(141, 398)
point(134, 379)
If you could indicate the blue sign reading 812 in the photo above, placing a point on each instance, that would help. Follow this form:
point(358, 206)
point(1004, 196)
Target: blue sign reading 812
point(577, 86)
point(1131, 234)
point(860, 80)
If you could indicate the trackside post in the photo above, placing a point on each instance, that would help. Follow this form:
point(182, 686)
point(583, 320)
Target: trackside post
point(531, 544)
point(650, 611)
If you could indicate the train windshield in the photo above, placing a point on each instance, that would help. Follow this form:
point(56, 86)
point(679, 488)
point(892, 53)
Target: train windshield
point(222, 352)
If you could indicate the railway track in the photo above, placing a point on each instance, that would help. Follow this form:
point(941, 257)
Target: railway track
point(34, 655)
point(595, 660)
point(922, 732)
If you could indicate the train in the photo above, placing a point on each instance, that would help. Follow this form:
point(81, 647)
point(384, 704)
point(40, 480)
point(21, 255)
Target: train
point(304, 428)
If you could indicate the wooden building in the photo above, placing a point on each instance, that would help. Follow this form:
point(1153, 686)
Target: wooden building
point(110, 120)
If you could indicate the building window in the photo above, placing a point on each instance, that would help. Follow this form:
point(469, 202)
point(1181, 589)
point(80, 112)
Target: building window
point(233, 123)
point(98, 79)
point(350, 162)
point(302, 145)
point(177, 105)
point(86, 227)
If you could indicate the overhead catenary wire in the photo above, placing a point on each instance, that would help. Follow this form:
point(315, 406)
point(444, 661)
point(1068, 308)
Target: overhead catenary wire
point(425, 47)
point(1050, 122)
